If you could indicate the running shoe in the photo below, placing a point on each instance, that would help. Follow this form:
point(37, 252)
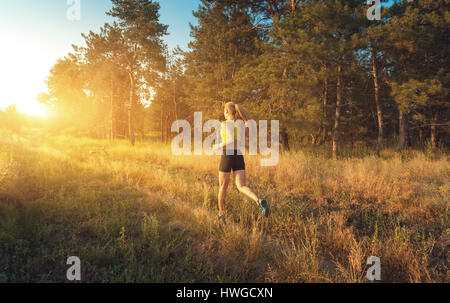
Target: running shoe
point(265, 208)
point(222, 220)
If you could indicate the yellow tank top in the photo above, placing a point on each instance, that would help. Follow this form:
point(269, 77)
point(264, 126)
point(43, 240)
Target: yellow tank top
point(224, 133)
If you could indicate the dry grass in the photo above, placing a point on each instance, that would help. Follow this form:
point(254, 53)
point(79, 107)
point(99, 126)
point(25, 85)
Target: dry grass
point(141, 214)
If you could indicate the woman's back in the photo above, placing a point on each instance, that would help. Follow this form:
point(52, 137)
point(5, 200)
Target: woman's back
point(229, 134)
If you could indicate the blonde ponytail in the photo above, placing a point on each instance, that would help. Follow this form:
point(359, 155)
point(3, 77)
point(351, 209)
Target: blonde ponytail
point(242, 113)
point(237, 112)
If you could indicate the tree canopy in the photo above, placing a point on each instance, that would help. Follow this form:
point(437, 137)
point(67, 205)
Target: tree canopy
point(330, 75)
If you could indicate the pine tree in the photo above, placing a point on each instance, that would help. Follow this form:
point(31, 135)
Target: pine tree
point(139, 20)
point(222, 43)
point(416, 32)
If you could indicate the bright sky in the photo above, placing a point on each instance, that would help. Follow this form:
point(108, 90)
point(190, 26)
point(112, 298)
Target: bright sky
point(34, 34)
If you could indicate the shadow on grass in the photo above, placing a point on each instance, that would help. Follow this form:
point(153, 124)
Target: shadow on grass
point(53, 208)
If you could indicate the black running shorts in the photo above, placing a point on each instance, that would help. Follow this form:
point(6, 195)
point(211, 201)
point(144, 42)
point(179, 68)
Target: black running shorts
point(233, 162)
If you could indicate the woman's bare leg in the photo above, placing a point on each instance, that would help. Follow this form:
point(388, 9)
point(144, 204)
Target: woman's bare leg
point(224, 180)
point(242, 186)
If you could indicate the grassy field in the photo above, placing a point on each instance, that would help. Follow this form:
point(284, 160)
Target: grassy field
point(139, 214)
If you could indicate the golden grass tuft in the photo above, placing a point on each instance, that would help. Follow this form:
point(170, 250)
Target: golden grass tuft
point(141, 214)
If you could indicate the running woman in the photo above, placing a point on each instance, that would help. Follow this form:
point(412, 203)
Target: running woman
point(232, 160)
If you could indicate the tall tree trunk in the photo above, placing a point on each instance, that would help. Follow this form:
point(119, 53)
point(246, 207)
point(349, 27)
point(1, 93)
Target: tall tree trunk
point(162, 121)
point(421, 135)
point(167, 129)
point(403, 130)
point(433, 130)
point(112, 110)
point(293, 5)
point(162, 104)
point(131, 108)
point(377, 102)
point(131, 111)
point(323, 128)
point(175, 99)
point(338, 112)
point(284, 139)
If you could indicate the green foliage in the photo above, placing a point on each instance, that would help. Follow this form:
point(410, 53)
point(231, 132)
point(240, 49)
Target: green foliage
point(223, 42)
point(281, 59)
point(101, 89)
